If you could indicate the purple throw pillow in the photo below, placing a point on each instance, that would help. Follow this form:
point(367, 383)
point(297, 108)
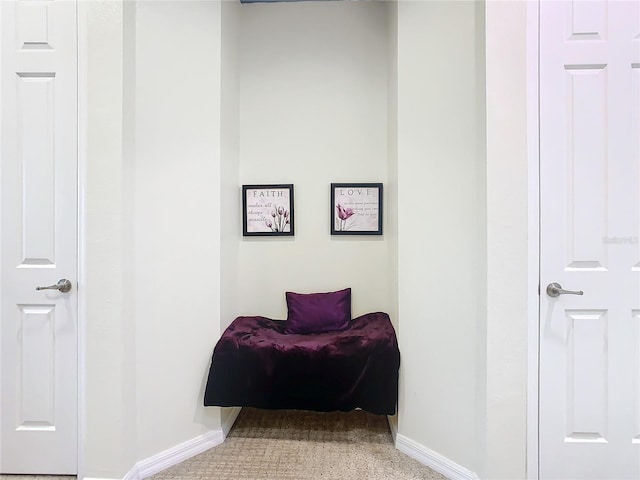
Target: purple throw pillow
point(318, 312)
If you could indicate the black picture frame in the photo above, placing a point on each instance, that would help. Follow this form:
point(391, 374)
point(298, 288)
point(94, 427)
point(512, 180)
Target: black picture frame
point(356, 209)
point(267, 210)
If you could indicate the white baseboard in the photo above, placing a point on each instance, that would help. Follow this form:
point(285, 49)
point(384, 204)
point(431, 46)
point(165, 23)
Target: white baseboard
point(163, 460)
point(433, 460)
point(131, 474)
point(393, 426)
point(231, 419)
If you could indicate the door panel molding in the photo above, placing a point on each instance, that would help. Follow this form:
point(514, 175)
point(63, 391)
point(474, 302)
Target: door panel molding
point(589, 218)
point(39, 236)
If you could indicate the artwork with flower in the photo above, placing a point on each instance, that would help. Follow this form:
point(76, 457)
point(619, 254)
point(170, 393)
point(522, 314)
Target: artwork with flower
point(356, 208)
point(267, 210)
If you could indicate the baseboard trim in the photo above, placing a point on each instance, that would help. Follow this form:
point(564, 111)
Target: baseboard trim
point(393, 426)
point(131, 474)
point(173, 456)
point(231, 419)
point(433, 460)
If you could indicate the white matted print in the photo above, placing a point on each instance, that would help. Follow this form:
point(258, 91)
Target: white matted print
point(267, 210)
point(356, 209)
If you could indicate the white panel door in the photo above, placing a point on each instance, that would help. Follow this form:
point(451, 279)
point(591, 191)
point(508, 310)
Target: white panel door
point(590, 215)
point(38, 175)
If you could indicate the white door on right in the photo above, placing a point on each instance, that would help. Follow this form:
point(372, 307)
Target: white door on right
point(589, 405)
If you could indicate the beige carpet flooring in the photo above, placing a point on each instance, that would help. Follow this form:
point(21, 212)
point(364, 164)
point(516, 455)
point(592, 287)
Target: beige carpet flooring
point(297, 445)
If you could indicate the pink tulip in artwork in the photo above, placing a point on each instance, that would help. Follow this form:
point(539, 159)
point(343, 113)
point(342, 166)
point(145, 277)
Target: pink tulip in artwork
point(343, 214)
point(280, 219)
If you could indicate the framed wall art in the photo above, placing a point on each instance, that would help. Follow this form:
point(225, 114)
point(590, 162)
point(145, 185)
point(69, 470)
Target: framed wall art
point(267, 210)
point(356, 209)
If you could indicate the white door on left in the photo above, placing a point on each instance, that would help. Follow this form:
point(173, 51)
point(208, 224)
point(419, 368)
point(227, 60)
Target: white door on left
point(38, 237)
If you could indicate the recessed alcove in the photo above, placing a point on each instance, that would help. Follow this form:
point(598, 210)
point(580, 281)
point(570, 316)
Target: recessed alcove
point(313, 92)
point(389, 92)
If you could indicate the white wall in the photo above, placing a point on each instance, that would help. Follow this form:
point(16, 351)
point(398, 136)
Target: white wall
point(392, 176)
point(313, 110)
point(108, 438)
point(392, 164)
point(481, 246)
point(152, 243)
point(177, 212)
point(439, 201)
point(230, 210)
point(507, 224)
point(463, 277)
